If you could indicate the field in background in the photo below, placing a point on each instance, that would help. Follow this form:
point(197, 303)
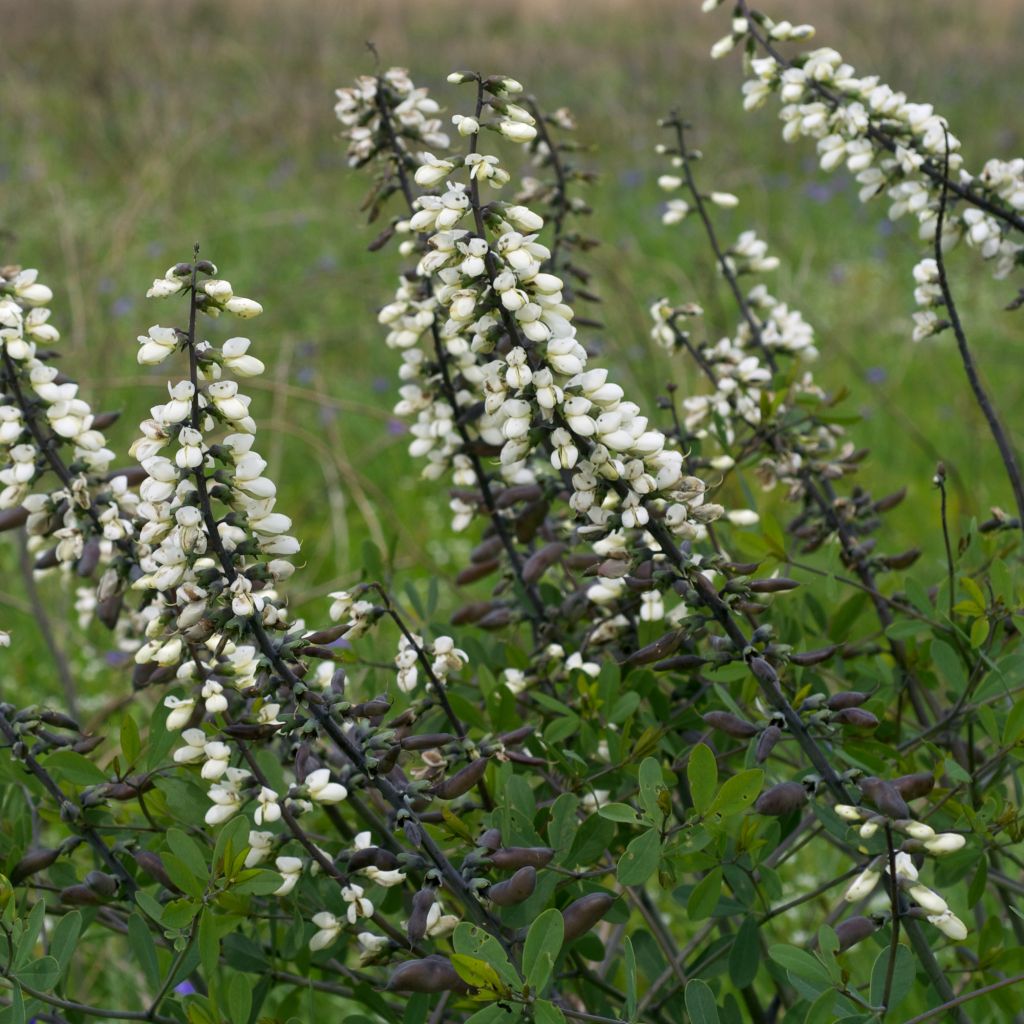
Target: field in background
point(132, 129)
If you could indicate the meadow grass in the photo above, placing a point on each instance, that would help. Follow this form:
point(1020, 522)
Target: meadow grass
point(132, 129)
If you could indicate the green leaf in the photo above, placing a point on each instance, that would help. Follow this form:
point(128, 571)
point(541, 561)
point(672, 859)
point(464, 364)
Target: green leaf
point(75, 768)
point(546, 1013)
point(629, 959)
point(543, 942)
point(902, 977)
point(640, 859)
point(979, 632)
point(65, 938)
point(823, 1010)
point(700, 1002)
point(41, 974)
point(141, 942)
point(188, 851)
point(474, 941)
point(131, 744)
point(619, 812)
point(702, 775)
point(30, 936)
point(478, 974)
point(801, 964)
point(209, 943)
point(704, 896)
point(239, 999)
point(737, 793)
point(745, 955)
point(493, 1013)
point(182, 877)
point(651, 782)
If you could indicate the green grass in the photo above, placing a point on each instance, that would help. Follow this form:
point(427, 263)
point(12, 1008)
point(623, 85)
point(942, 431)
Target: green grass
point(132, 129)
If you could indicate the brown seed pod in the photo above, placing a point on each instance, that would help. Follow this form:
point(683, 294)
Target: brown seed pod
point(890, 500)
point(886, 797)
point(846, 699)
point(857, 717)
point(100, 882)
point(581, 560)
point(656, 650)
point(86, 744)
point(432, 974)
point(511, 739)
point(486, 550)
point(528, 522)
point(903, 560)
point(516, 494)
point(373, 857)
point(814, 657)
point(512, 857)
point(472, 612)
point(59, 720)
point(153, 866)
point(421, 904)
point(911, 787)
point(109, 610)
point(370, 709)
point(81, 896)
point(775, 585)
point(328, 636)
point(476, 571)
point(462, 781)
point(515, 890)
point(854, 930)
point(496, 619)
point(740, 568)
point(581, 916)
point(781, 799)
point(767, 742)
point(491, 839)
point(33, 862)
point(730, 724)
point(540, 561)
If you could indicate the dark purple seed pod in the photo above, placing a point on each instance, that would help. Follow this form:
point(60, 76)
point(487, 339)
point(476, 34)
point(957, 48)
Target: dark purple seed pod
point(513, 857)
point(33, 862)
point(846, 699)
point(655, 651)
point(857, 717)
point(516, 494)
point(12, 518)
point(427, 741)
point(153, 866)
point(486, 551)
point(472, 612)
point(680, 663)
point(912, 787)
point(86, 565)
point(886, 798)
point(767, 742)
point(59, 720)
point(421, 904)
point(903, 560)
point(389, 760)
point(81, 896)
point(781, 799)
point(517, 736)
point(382, 239)
point(775, 585)
point(515, 890)
point(328, 636)
point(529, 521)
point(581, 560)
point(763, 670)
point(540, 561)
point(373, 857)
point(371, 708)
point(815, 657)
point(890, 500)
point(108, 611)
point(491, 839)
point(432, 974)
point(740, 568)
point(86, 744)
point(496, 619)
point(581, 916)
point(854, 930)
point(476, 571)
point(462, 781)
point(730, 724)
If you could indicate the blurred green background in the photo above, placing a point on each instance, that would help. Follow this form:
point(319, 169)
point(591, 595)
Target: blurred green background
point(132, 128)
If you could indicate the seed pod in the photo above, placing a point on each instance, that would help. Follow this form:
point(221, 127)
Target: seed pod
point(12, 518)
point(515, 890)
point(101, 883)
point(486, 550)
point(680, 662)
point(516, 494)
point(153, 866)
point(767, 742)
point(59, 720)
point(47, 560)
point(781, 799)
point(432, 974)
point(472, 612)
point(421, 904)
point(741, 568)
point(510, 857)
point(609, 569)
point(886, 797)
point(655, 650)
point(491, 839)
point(903, 560)
point(371, 708)
point(109, 610)
point(890, 500)
point(529, 521)
point(495, 619)
point(462, 781)
point(846, 699)
point(511, 739)
point(427, 740)
point(581, 916)
point(327, 636)
point(814, 657)
point(763, 670)
point(775, 585)
point(382, 239)
point(730, 724)
point(854, 930)
point(91, 552)
point(373, 857)
point(911, 787)
point(33, 862)
point(581, 560)
point(81, 896)
point(476, 571)
point(857, 717)
point(540, 561)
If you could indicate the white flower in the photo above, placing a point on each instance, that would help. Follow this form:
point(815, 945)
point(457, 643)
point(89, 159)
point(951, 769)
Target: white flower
point(862, 886)
point(290, 869)
point(269, 810)
point(322, 790)
point(194, 749)
point(260, 844)
point(358, 904)
point(328, 927)
point(949, 924)
point(945, 842)
point(181, 711)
